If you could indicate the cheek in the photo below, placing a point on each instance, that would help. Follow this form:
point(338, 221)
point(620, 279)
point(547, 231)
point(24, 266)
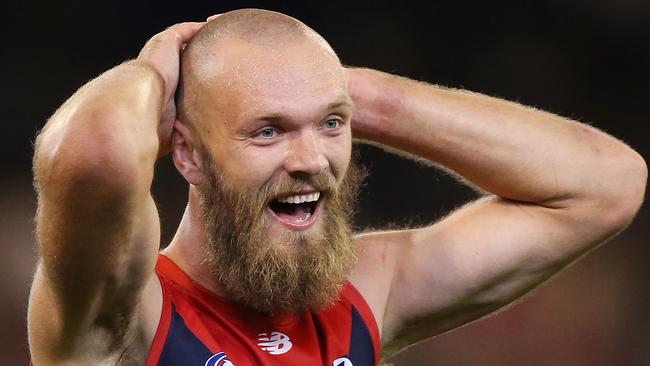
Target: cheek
point(252, 166)
point(338, 153)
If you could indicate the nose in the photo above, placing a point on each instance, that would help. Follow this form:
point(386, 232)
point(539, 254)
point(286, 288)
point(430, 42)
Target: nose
point(305, 155)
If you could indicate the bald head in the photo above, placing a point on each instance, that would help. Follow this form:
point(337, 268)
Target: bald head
point(240, 52)
point(253, 25)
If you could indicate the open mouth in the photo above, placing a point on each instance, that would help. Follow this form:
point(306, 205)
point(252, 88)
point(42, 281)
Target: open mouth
point(296, 211)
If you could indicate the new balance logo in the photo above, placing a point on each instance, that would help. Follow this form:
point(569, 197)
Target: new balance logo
point(275, 344)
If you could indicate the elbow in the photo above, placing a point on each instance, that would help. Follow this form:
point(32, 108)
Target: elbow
point(90, 159)
point(91, 175)
point(626, 192)
point(639, 177)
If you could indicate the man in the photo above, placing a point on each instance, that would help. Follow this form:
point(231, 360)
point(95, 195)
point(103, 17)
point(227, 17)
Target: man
point(264, 269)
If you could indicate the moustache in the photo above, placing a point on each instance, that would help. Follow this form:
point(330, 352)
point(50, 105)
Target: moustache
point(323, 182)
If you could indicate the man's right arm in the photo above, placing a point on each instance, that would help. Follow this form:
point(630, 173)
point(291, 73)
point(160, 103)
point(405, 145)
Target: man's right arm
point(97, 225)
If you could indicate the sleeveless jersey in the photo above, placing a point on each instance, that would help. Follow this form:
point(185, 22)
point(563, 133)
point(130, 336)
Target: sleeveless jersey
point(200, 328)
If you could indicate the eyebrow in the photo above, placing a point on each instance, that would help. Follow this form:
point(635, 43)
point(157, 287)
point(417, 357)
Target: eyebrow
point(341, 102)
point(345, 102)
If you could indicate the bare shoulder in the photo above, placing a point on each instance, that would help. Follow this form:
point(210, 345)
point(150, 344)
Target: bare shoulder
point(379, 253)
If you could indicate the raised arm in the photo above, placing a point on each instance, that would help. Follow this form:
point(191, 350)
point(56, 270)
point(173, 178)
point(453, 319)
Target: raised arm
point(557, 188)
point(97, 225)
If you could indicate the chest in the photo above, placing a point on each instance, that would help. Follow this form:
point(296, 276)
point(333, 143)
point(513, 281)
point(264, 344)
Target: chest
point(336, 337)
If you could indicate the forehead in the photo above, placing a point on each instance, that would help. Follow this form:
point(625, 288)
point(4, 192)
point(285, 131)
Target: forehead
point(262, 78)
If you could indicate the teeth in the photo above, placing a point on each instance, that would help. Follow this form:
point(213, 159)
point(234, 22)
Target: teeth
point(307, 216)
point(301, 198)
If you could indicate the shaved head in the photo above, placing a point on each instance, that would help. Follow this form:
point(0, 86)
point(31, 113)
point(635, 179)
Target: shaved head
point(256, 26)
point(241, 49)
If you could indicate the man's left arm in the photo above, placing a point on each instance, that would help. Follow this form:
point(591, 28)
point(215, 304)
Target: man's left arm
point(557, 188)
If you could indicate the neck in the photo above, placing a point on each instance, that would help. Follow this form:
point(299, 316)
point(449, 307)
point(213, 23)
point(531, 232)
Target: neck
point(187, 248)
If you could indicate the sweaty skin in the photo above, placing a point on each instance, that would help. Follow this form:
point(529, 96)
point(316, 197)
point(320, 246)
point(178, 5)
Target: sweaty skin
point(555, 188)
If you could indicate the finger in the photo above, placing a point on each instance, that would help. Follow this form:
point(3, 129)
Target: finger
point(185, 31)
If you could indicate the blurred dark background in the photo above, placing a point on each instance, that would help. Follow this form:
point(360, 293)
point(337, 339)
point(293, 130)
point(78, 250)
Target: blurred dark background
point(585, 59)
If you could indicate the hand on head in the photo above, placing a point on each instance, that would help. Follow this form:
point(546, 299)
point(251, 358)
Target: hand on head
point(162, 54)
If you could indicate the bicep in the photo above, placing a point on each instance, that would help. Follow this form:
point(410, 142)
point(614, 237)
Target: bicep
point(480, 258)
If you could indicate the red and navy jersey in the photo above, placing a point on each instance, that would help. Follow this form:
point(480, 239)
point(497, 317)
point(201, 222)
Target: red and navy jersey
point(199, 328)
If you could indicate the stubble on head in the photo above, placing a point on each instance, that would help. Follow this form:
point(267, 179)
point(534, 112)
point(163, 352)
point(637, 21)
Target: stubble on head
point(203, 64)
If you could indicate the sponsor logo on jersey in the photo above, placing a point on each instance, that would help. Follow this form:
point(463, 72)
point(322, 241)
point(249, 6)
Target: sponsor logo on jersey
point(276, 343)
point(219, 359)
point(343, 361)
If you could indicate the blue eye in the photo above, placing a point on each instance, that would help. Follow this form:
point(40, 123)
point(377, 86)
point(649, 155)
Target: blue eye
point(267, 133)
point(332, 124)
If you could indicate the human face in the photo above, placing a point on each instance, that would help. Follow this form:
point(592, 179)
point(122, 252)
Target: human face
point(282, 132)
point(277, 112)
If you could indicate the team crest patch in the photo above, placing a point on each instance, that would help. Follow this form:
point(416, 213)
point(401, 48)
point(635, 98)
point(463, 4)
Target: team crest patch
point(219, 359)
point(343, 361)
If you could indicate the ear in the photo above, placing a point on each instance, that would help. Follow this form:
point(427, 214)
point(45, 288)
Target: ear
point(186, 156)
